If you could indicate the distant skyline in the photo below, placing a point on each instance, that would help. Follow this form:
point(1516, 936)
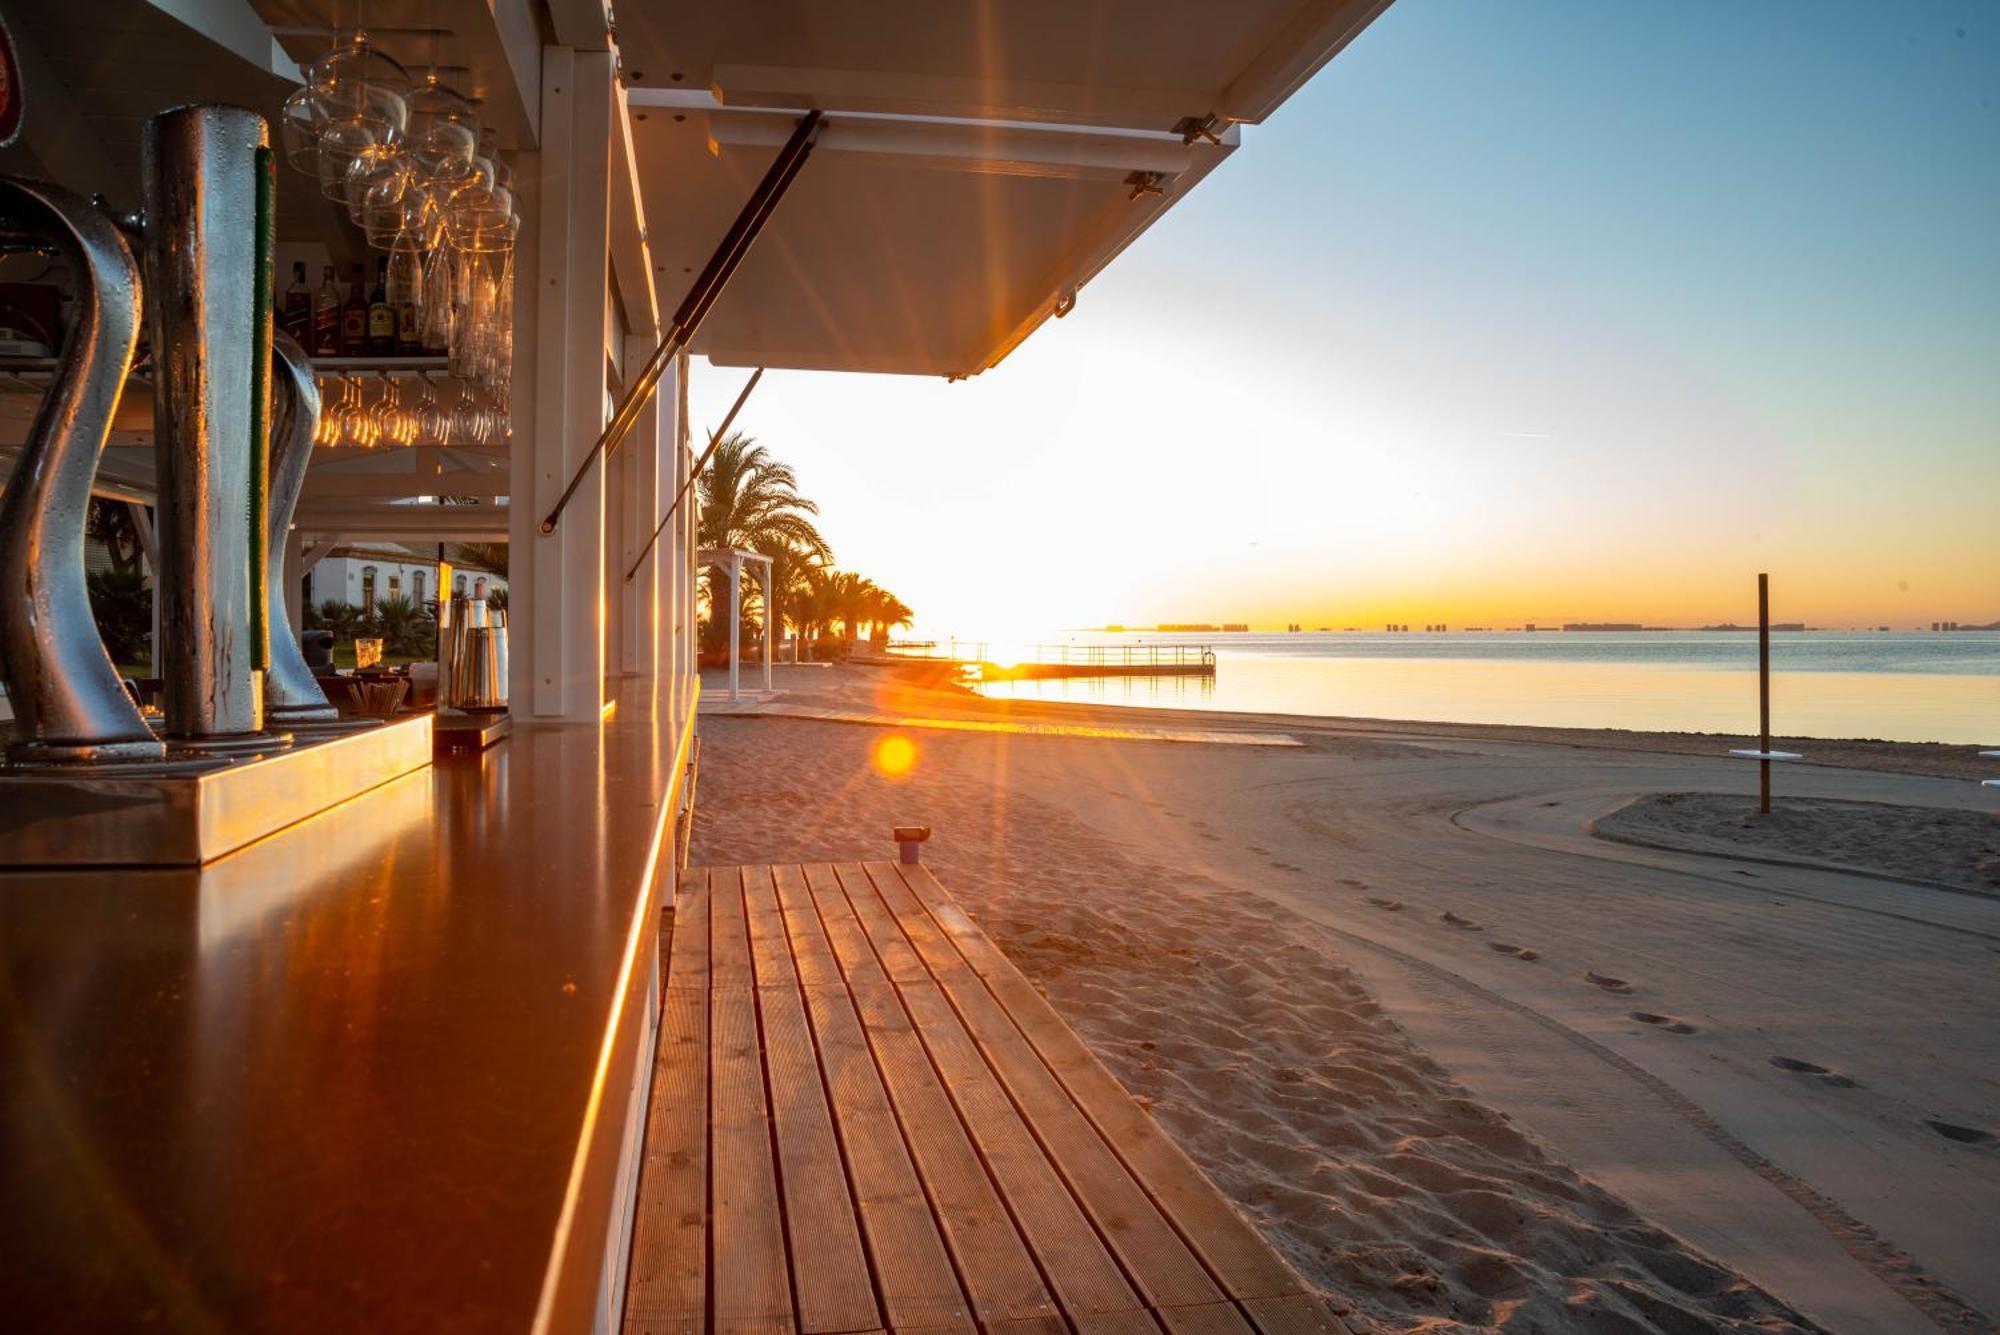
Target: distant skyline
point(1514, 313)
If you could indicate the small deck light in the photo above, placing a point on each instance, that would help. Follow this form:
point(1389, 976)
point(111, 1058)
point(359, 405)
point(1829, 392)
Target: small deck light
point(910, 840)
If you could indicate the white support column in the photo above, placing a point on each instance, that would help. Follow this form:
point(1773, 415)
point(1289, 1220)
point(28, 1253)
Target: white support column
point(678, 651)
point(643, 454)
point(557, 659)
point(770, 609)
point(735, 626)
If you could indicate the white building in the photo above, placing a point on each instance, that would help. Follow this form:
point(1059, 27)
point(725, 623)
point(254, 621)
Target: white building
point(362, 574)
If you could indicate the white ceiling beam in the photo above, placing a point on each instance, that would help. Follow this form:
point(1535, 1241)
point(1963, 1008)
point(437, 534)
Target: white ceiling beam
point(479, 523)
point(236, 27)
point(631, 257)
point(397, 486)
point(581, 25)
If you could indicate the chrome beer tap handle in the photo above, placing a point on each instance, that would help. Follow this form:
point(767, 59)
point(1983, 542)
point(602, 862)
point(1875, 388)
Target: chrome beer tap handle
point(291, 693)
point(68, 703)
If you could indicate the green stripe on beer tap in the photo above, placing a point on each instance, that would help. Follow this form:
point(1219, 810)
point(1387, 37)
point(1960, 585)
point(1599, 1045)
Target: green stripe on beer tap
point(263, 285)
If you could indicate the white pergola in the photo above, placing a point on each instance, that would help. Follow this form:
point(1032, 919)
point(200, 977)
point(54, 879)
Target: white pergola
point(731, 559)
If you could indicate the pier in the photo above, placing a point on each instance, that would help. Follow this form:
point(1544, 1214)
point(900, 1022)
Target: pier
point(1046, 661)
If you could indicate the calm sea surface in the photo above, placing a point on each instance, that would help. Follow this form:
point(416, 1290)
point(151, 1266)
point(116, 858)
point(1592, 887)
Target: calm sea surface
point(1901, 685)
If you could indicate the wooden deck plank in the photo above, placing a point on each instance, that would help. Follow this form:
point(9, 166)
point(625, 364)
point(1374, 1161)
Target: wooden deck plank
point(770, 944)
point(829, 1269)
point(1299, 1314)
point(830, 1277)
point(752, 1285)
point(667, 1286)
point(1082, 1272)
point(687, 959)
point(992, 1262)
point(1235, 1253)
point(811, 952)
point(729, 933)
point(914, 1275)
point(1153, 1254)
point(1204, 1319)
point(899, 959)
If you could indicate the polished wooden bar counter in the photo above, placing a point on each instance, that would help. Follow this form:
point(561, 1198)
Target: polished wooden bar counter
point(374, 1072)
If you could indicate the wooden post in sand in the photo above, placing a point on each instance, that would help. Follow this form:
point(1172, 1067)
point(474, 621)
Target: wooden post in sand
point(1763, 754)
point(1764, 692)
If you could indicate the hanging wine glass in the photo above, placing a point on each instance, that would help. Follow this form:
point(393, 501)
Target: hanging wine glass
point(443, 133)
point(362, 104)
point(436, 318)
point(326, 430)
point(433, 418)
point(467, 427)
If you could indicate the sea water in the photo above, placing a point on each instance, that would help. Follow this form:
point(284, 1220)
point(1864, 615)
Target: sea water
point(1898, 685)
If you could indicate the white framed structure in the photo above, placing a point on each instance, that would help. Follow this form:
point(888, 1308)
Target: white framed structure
point(731, 560)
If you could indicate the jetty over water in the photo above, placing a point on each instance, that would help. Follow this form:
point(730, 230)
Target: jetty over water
point(1046, 661)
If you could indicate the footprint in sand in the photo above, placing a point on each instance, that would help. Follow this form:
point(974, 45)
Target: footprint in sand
point(1451, 919)
point(1518, 952)
point(1608, 983)
point(1826, 1077)
point(1358, 885)
point(1387, 905)
point(1964, 1135)
point(1285, 866)
point(1666, 1022)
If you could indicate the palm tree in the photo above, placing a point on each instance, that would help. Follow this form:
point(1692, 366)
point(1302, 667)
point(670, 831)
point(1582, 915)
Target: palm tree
point(750, 499)
point(850, 596)
point(490, 557)
point(887, 612)
point(813, 602)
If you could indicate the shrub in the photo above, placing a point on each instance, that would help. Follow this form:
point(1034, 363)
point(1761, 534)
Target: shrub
point(122, 604)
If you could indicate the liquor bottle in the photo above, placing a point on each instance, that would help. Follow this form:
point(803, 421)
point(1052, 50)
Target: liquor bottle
point(326, 318)
point(299, 307)
point(406, 277)
point(354, 315)
point(381, 315)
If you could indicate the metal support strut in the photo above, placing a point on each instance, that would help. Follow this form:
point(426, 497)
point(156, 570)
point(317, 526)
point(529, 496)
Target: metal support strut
point(708, 286)
point(715, 438)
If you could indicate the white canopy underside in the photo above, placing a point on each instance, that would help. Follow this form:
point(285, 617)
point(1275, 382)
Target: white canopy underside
point(976, 167)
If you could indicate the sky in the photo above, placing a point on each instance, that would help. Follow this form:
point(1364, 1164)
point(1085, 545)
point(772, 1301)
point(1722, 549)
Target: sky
point(1516, 312)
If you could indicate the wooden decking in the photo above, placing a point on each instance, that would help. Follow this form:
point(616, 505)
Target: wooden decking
point(865, 1118)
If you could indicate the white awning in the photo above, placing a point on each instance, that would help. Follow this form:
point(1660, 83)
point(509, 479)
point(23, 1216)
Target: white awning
point(977, 165)
point(922, 245)
point(1142, 64)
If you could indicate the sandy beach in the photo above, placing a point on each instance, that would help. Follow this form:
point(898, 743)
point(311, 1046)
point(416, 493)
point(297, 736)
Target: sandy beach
point(1469, 1063)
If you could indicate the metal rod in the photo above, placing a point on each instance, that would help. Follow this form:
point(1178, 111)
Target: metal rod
point(262, 290)
point(715, 438)
point(701, 297)
point(1764, 692)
